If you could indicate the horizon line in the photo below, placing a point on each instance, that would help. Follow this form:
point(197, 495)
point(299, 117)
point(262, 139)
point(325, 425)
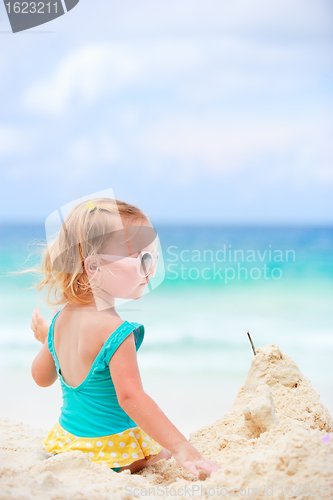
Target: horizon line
point(175, 224)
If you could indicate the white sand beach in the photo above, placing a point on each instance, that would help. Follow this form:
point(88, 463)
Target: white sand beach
point(276, 441)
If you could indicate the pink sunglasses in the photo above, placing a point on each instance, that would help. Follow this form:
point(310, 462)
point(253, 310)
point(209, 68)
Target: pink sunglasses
point(145, 263)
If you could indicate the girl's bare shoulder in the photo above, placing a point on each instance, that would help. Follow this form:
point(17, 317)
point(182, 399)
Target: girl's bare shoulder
point(95, 326)
point(102, 324)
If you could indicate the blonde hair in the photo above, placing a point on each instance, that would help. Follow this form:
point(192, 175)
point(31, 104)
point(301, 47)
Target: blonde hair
point(84, 232)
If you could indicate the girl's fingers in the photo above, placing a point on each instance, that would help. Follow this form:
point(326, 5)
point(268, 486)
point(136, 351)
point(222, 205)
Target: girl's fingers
point(213, 464)
point(35, 316)
point(38, 325)
point(193, 467)
point(200, 464)
point(190, 466)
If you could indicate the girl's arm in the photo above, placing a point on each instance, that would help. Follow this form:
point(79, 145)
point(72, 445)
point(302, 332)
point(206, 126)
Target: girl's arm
point(146, 413)
point(43, 369)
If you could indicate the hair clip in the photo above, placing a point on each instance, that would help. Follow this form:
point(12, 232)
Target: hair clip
point(90, 206)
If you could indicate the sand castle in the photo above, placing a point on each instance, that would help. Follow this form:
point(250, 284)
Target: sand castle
point(275, 442)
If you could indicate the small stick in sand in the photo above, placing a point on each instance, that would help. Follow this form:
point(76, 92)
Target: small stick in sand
point(254, 351)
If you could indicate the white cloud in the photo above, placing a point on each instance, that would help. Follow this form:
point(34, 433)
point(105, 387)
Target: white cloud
point(274, 149)
point(96, 70)
point(184, 66)
point(81, 74)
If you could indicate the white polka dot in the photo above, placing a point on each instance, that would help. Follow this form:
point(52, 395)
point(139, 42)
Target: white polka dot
point(113, 454)
point(57, 434)
point(101, 454)
point(110, 443)
point(137, 436)
point(51, 442)
point(120, 433)
point(151, 453)
point(144, 445)
point(88, 445)
point(43, 445)
point(99, 443)
point(126, 465)
point(133, 445)
point(125, 455)
point(147, 438)
point(104, 464)
point(60, 444)
point(154, 448)
point(116, 464)
point(76, 437)
point(78, 444)
point(90, 454)
point(65, 433)
point(122, 444)
point(135, 455)
point(68, 441)
point(131, 434)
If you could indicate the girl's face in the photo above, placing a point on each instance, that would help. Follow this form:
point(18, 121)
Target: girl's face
point(121, 279)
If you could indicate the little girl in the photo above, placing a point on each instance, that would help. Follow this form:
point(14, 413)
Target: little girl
point(106, 413)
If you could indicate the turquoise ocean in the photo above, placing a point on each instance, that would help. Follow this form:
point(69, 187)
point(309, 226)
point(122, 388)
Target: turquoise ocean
point(220, 282)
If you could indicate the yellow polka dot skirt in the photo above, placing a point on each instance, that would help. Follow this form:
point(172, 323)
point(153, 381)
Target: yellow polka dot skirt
point(115, 450)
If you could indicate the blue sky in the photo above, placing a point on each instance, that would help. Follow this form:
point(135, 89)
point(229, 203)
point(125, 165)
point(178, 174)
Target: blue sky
point(210, 112)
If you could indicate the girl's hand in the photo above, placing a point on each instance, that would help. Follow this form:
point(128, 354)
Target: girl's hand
point(39, 325)
point(189, 458)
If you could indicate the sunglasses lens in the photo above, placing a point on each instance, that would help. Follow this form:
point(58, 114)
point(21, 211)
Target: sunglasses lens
point(146, 263)
point(155, 266)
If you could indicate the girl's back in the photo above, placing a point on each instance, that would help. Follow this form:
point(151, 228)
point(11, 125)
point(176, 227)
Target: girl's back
point(79, 335)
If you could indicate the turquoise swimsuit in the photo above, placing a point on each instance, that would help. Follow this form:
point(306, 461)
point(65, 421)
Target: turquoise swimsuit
point(91, 418)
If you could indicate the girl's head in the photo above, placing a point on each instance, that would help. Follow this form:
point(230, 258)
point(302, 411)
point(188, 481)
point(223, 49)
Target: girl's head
point(94, 251)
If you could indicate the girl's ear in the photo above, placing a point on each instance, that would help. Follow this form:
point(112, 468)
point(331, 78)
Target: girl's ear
point(91, 266)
